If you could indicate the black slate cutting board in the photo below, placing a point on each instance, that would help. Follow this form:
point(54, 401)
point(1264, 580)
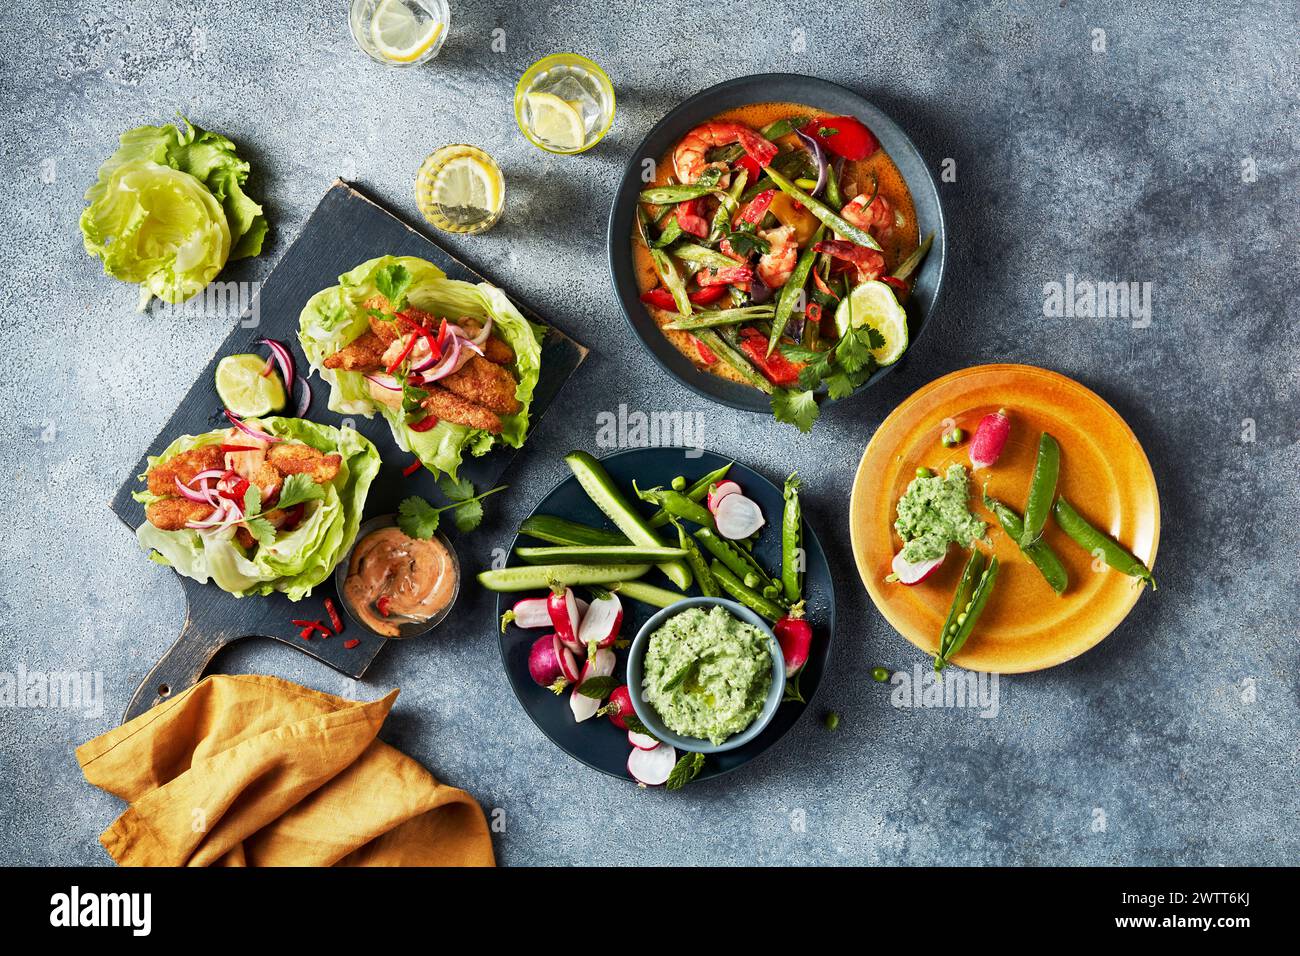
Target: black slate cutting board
point(345, 230)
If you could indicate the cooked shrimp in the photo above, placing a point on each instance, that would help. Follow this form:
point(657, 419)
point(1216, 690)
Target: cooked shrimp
point(775, 266)
point(870, 265)
point(875, 215)
point(689, 157)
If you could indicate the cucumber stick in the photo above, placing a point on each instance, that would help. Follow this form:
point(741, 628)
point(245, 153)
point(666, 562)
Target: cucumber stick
point(533, 577)
point(599, 554)
point(648, 593)
point(608, 498)
point(562, 531)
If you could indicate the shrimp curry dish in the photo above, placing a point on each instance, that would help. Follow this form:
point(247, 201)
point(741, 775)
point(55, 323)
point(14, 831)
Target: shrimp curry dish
point(775, 248)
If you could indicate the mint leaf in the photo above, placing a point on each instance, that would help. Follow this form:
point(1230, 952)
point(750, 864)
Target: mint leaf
point(417, 518)
point(797, 408)
point(297, 489)
point(597, 688)
point(686, 769)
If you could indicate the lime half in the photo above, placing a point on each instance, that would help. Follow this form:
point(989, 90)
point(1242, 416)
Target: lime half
point(243, 388)
point(556, 121)
point(400, 34)
point(874, 304)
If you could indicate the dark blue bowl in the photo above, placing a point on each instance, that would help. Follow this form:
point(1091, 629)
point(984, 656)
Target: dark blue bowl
point(769, 88)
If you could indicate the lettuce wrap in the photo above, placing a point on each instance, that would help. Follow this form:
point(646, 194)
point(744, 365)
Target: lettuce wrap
point(298, 559)
point(336, 316)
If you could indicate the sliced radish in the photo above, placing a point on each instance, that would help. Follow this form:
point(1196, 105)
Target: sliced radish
point(562, 606)
point(641, 741)
point(531, 612)
point(602, 665)
point(720, 491)
point(601, 622)
point(905, 572)
point(568, 663)
point(652, 767)
point(582, 605)
point(544, 661)
point(737, 516)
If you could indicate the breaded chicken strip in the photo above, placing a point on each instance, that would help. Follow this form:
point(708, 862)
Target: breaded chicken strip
point(363, 354)
point(162, 477)
point(386, 330)
point(171, 514)
point(494, 349)
point(295, 459)
point(268, 479)
point(447, 406)
point(485, 384)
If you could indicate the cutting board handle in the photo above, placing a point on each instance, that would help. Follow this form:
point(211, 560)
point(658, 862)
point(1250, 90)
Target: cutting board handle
point(180, 668)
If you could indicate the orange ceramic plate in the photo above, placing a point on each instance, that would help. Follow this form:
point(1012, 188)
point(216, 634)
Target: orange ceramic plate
point(1104, 474)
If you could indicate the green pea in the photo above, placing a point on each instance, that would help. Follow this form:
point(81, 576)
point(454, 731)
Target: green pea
point(679, 483)
point(954, 437)
point(924, 473)
point(880, 674)
point(751, 580)
point(832, 720)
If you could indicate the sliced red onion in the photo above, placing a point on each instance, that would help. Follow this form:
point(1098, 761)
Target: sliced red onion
point(448, 364)
point(818, 154)
point(205, 475)
point(382, 384)
point(283, 359)
point(224, 516)
point(250, 431)
point(759, 291)
point(483, 332)
point(305, 399)
point(189, 494)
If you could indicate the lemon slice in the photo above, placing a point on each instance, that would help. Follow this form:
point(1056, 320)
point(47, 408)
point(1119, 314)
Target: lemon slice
point(556, 121)
point(399, 34)
point(243, 388)
point(874, 304)
point(468, 184)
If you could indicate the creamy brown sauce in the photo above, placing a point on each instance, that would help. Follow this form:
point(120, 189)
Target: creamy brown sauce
point(417, 579)
point(857, 178)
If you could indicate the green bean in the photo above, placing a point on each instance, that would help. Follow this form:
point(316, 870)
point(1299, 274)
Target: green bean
point(672, 280)
point(676, 504)
point(728, 353)
point(792, 555)
point(1040, 552)
point(696, 492)
point(970, 576)
point(1092, 541)
point(745, 595)
point(662, 195)
point(793, 289)
point(784, 127)
point(721, 224)
point(828, 216)
point(671, 233)
point(703, 576)
point(699, 255)
point(762, 186)
point(974, 608)
point(908, 265)
point(712, 318)
point(1042, 489)
point(833, 197)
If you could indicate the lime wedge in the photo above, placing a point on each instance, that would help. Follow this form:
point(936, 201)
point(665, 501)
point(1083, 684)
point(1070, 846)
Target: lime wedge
point(874, 304)
point(400, 34)
point(468, 184)
point(243, 388)
point(556, 121)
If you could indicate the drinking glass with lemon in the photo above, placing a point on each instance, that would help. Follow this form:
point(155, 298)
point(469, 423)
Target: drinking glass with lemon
point(564, 103)
point(400, 32)
point(460, 189)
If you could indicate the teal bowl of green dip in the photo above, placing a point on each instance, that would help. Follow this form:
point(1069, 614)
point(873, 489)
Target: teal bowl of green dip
point(709, 667)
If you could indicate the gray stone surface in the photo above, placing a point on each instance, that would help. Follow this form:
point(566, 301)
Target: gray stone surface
point(1180, 730)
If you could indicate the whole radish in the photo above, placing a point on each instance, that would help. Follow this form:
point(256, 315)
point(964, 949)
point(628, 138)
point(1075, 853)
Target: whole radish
point(794, 634)
point(990, 438)
point(618, 706)
point(544, 665)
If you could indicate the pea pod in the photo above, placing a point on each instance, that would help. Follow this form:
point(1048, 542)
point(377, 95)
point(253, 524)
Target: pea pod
point(747, 596)
point(676, 504)
point(792, 556)
point(828, 216)
point(712, 318)
point(1040, 552)
point(973, 609)
point(793, 288)
point(728, 353)
point(970, 576)
point(699, 567)
point(696, 492)
point(1092, 540)
point(1042, 489)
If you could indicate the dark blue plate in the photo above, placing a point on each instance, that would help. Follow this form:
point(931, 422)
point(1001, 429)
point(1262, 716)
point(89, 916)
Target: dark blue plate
point(597, 742)
point(768, 88)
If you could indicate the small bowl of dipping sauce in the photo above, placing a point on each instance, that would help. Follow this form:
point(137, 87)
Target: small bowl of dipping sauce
point(397, 586)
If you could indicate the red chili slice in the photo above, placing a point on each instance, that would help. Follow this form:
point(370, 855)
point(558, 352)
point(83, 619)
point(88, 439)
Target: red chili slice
point(305, 633)
point(412, 468)
point(406, 352)
point(382, 605)
point(895, 283)
point(851, 138)
point(424, 424)
point(351, 644)
point(333, 612)
point(240, 448)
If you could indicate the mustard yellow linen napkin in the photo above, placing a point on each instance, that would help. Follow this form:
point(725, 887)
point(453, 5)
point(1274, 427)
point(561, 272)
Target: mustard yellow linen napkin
point(257, 771)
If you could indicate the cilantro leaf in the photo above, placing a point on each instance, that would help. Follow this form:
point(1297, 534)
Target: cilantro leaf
point(393, 282)
point(252, 500)
point(417, 518)
point(795, 407)
point(745, 243)
point(840, 385)
point(297, 489)
point(468, 516)
point(261, 530)
point(456, 489)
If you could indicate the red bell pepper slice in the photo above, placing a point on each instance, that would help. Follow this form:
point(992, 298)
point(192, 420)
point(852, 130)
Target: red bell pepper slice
point(754, 212)
point(661, 298)
point(778, 369)
point(851, 138)
point(750, 165)
point(689, 218)
point(706, 353)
